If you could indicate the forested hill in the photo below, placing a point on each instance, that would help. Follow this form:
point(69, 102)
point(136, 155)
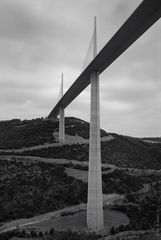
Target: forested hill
point(17, 134)
point(123, 151)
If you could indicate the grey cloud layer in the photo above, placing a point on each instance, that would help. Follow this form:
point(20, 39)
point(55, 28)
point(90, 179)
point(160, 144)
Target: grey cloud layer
point(41, 38)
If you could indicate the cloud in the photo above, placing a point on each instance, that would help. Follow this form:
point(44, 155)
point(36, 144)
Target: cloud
point(31, 39)
point(40, 39)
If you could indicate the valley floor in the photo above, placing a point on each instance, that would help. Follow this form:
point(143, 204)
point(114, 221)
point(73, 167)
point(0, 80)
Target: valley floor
point(50, 217)
point(73, 217)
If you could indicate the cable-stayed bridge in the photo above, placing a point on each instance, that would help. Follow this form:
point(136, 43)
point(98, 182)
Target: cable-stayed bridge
point(147, 13)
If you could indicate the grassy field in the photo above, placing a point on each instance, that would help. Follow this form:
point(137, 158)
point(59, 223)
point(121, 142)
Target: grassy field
point(77, 221)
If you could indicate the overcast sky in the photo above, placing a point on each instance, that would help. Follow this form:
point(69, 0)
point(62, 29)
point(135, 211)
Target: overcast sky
point(40, 39)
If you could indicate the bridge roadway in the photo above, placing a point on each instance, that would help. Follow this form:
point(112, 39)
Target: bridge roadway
point(146, 14)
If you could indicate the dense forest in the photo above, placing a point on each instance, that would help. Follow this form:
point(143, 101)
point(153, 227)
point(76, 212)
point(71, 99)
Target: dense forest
point(141, 210)
point(51, 235)
point(17, 134)
point(123, 151)
point(30, 188)
point(120, 151)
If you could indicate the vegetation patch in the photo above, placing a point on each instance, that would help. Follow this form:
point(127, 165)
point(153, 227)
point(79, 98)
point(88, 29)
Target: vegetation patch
point(50, 235)
point(31, 188)
point(142, 209)
point(17, 134)
point(122, 151)
point(121, 182)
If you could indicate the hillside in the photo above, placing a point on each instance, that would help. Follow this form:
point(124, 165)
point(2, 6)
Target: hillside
point(38, 181)
point(152, 139)
point(30, 188)
point(131, 152)
point(17, 134)
point(122, 151)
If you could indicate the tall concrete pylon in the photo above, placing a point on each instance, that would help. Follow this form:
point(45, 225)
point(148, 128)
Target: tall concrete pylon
point(61, 116)
point(95, 219)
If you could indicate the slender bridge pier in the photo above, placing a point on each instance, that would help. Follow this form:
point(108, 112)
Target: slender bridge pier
point(95, 219)
point(147, 13)
point(61, 116)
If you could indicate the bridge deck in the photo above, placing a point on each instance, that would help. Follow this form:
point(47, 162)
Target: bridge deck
point(147, 13)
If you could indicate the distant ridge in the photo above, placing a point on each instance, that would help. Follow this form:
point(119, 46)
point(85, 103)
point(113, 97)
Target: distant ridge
point(122, 151)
